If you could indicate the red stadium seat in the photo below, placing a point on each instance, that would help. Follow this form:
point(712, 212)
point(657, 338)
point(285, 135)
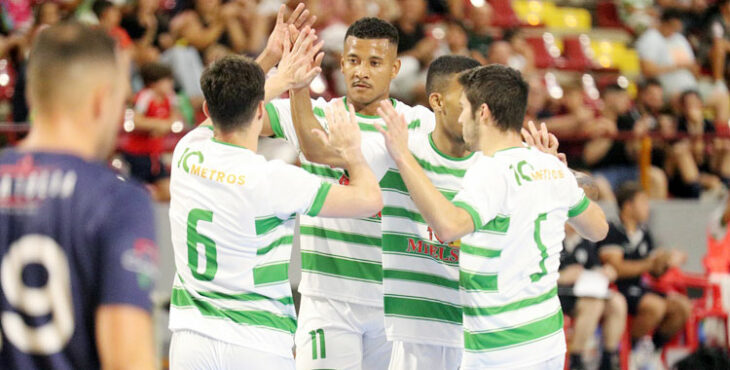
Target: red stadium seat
point(575, 56)
point(607, 15)
point(504, 15)
point(543, 59)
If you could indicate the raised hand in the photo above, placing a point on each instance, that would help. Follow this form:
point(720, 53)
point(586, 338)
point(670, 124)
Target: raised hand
point(344, 133)
point(543, 140)
point(296, 22)
point(301, 63)
point(396, 134)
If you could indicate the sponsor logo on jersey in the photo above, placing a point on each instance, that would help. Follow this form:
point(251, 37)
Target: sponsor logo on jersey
point(142, 260)
point(524, 172)
point(24, 185)
point(192, 163)
point(436, 249)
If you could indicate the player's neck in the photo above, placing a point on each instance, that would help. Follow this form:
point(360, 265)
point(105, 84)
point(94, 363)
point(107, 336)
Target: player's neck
point(241, 138)
point(369, 109)
point(447, 144)
point(496, 141)
point(59, 134)
point(629, 224)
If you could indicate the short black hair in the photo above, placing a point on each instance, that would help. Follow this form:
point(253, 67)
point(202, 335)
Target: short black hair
point(373, 28)
point(58, 51)
point(443, 67)
point(100, 7)
point(671, 14)
point(626, 192)
point(649, 82)
point(233, 87)
point(502, 89)
point(153, 72)
point(685, 94)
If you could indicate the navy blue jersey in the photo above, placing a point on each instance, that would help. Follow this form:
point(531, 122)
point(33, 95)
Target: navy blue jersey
point(73, 237)
point(636, 247)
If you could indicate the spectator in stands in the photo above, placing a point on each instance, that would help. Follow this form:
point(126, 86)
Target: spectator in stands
point(482, 33)
point(155, 111)
point(523, 58)
point(693, 165)
point(616, 160)
point(666, 55)
point(418, 51)
point(715, 43)
point(212, 23)
point(637, 15)
point(149, 30)
point(629, 248)
point(110, 19)
point(457, 41)
point(580, 255)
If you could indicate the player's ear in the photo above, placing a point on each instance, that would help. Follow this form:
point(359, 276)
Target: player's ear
point(260, 110)
point(484, 113)
point(435, 100)
point(205, 109)
point(396, 68)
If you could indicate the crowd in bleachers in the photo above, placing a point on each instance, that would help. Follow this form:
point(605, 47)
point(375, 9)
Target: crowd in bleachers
point(634, 89)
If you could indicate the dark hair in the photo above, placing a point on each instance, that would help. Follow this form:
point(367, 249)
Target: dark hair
point(502, 89)
point(61, 48)
point(233, 87)
point(100, 7)
point(649, 82)
point(670, 14)
point(373, 28)
point(444, 67)
point(685, 94)
point(511, 33)
point(153, 72)
point(626, 192)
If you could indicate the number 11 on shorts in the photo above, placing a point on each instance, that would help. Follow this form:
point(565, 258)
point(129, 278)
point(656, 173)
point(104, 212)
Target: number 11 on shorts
point(322, 352)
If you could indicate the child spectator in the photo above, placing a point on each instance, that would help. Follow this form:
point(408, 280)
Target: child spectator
point(155, 110)
point(110, 19)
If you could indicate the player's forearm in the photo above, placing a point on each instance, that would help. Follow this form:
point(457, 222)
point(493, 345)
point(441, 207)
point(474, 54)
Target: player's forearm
point(448, 221)
point(275, 86)
point(267, 60)
point(304, 124)
point(363, 179)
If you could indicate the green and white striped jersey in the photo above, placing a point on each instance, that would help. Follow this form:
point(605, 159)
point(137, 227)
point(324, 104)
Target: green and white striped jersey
point(519, 200)
point(341, 258)
point(421, 273)
point(232, 222)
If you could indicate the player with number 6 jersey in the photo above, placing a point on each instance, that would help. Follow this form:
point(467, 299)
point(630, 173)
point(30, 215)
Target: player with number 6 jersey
point(232, 217)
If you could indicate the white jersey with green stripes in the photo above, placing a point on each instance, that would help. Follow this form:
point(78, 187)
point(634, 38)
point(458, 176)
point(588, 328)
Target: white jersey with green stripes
point(232, 218)
point(420, 272)
point(341, 258)
point(519, 200)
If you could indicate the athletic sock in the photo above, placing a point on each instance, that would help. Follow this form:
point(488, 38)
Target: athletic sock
point(576, 361)
point(610, 360)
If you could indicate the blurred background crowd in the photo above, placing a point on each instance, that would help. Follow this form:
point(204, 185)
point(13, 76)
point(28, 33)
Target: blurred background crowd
point(635, 89)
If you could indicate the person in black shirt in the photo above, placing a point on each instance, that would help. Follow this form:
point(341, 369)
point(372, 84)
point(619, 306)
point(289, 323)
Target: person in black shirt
point(579, 255)
point(630, 249)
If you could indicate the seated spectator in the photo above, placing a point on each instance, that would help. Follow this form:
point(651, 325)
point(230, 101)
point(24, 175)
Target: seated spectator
point(155, 110)
point(637, 15)
point(694, 166)
point(416, 49)
point(667, 55)
point(580, 255)
point(457, 42)
point(523, 58)
point(629, 248)
point(482, 33)
point(110, 19)
point(715, 43)
point(212, 23)
point(149, 30)
point(616, 160)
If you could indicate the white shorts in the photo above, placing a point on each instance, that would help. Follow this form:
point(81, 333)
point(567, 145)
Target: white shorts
point(192, 351)
point(555, 363)
point(339, 335)
point(412, 356)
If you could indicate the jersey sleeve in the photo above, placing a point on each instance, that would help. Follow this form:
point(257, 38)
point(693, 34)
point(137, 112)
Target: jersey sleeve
point(376, 154)
point(613, 238)
point(282, 123)
point(128, 252)
point(482, 194)
point(578, 202)
point(295, 191)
